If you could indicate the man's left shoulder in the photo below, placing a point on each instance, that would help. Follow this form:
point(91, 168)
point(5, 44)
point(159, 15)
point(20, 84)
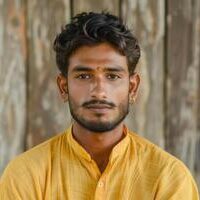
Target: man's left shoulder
point(170, 175)
point(152, 154)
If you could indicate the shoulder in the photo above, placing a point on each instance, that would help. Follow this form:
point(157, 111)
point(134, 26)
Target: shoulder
point(170, 175)
point(157, 160)
point(36, 158)
point(24, 175)
point(146, 150)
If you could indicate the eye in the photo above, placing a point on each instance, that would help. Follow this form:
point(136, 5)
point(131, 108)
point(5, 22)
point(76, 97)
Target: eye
point(83, 76)
point(112, 76)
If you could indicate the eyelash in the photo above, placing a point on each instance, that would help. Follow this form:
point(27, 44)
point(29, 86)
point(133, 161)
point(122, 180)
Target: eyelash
point(109, 76)
point(113, 76)
point(82, 76)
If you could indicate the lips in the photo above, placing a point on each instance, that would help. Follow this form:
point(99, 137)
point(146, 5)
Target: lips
point(99, 108)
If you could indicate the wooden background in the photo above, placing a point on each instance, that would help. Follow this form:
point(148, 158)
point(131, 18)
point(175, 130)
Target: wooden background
point(167, 110)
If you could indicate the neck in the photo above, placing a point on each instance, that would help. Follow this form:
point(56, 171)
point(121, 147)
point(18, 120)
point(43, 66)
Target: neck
point(98, 145)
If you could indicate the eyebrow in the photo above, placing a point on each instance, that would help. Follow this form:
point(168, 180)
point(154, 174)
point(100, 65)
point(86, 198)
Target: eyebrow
point(116, 68)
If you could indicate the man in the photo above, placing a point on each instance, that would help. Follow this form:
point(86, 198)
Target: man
point(97, 157)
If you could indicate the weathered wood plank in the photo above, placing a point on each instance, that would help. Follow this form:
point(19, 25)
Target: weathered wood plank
point(146, 18)
point(47, 114)
point(95, 6)
point(183, 67)
point(12, 79)
point(197, 163)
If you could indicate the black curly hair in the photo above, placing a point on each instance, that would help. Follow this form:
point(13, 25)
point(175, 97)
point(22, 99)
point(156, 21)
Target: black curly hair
point(89, 29)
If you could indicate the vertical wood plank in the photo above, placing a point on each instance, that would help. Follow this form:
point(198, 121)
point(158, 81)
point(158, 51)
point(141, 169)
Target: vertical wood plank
point(147, 18)
point(47, 114)
point(197, 162)
point(183, 67)
point(12, 79)
point(96, 6)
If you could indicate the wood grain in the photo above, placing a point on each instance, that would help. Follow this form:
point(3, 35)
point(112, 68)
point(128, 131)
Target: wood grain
point(183, 69)
point(95, 6)
point(146, 19)
point(12, 80)
point(47, 114)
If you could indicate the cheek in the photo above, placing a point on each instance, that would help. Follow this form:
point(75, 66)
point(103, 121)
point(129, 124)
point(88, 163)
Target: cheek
point(77, 95)
point(123, 99)
point(121, 92)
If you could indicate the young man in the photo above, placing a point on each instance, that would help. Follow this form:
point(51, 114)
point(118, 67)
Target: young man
point(97, 157)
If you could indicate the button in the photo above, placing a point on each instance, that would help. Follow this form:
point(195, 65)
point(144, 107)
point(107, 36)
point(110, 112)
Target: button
point(100, 184)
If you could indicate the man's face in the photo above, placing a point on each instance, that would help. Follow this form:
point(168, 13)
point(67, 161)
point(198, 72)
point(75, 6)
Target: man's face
point(98, 87)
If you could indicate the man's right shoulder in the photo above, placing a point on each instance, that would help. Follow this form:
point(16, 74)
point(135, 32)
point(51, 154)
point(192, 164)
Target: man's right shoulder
point(24, 175)
point(38, 157)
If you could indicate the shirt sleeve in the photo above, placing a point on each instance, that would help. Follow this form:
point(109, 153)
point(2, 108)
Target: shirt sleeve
point(19, 182)
point(177, 183)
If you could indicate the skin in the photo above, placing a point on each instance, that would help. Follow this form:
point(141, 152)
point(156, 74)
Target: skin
point(98, 73)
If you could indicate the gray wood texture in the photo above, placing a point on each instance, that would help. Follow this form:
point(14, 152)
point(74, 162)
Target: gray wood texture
point(13, 55)
point(47, 114)
point(146, 19)
point(182, 82)
point(95, 6)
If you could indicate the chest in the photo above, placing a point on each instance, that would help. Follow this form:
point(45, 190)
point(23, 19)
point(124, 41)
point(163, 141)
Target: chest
point(83, 180)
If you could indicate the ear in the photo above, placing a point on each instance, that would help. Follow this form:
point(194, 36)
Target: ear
point(62, 86)
point(134, 81)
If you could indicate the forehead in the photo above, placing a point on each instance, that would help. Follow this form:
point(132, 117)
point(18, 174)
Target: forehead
point(97, 57)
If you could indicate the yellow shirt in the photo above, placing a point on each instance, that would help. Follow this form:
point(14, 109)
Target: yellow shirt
point(61, 169)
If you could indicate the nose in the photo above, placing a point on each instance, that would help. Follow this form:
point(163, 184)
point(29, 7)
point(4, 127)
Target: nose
point(98, 88)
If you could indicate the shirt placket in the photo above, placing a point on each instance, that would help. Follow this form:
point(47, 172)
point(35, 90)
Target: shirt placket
point(101, 189)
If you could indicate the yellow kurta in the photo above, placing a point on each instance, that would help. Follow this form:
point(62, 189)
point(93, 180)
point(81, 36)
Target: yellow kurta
point(61, 169)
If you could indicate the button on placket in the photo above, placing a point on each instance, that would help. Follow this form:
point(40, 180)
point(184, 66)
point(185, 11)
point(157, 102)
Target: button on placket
point(100, 190)
point(100, 184)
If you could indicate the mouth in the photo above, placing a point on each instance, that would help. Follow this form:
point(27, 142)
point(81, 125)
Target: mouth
point(100, 108)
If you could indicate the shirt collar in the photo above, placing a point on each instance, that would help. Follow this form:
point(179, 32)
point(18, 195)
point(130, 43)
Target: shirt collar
point(118, 150)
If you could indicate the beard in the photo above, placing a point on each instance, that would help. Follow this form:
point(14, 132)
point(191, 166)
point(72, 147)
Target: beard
point(99, 126)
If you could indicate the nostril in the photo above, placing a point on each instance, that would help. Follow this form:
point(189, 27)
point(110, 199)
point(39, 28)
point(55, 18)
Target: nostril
point(98, 90)
point(98, 95)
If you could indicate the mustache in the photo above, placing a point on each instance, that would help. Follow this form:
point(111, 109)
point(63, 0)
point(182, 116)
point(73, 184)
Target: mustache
point(102, 102)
